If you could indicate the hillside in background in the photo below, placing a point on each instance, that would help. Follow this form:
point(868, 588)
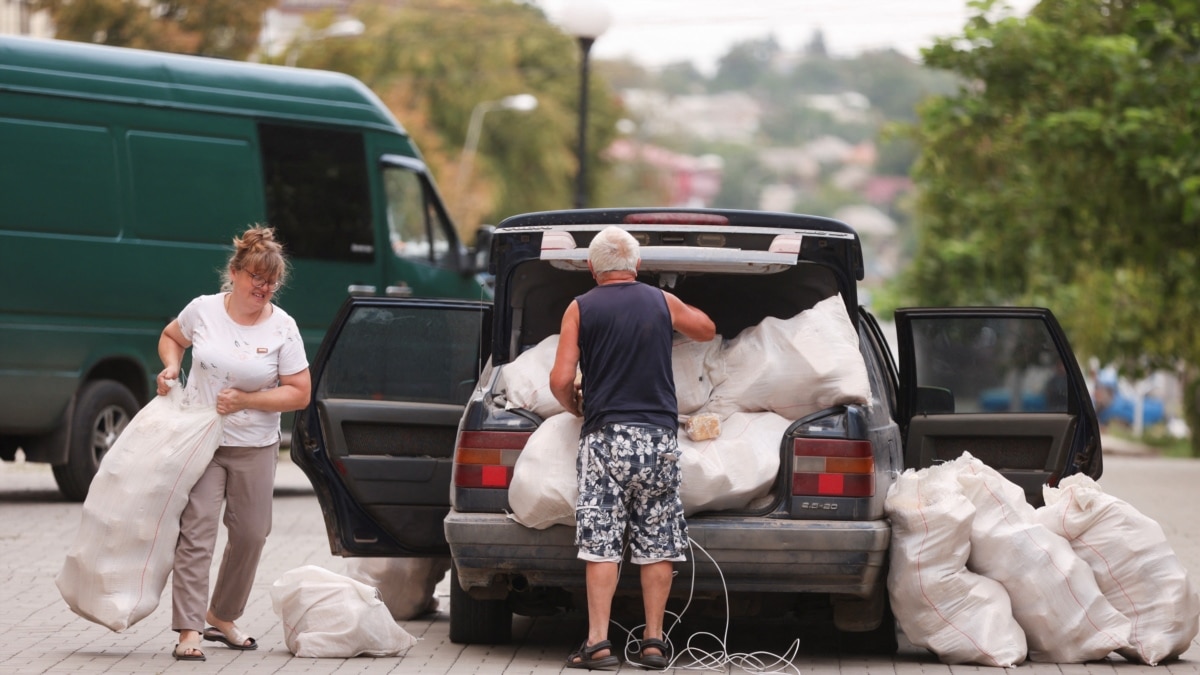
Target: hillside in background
point(785, 131)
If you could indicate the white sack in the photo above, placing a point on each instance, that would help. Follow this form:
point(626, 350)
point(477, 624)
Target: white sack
point(527, 380)
point(794, 366)
point(327, 615)
point(734, 469)
point(545, 482)
point(696, 367)
point(406, 585)
point(1054, 594)
point(117, 566)
point(724, 473)
point(1134, 565)
point(960, 616)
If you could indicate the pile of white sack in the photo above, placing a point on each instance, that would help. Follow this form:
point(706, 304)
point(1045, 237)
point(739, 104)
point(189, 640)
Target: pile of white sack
point(979, 576)
point(757, 383)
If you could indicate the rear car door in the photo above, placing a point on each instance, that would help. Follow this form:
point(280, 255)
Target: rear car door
point(390, 383)
point(1000, 383)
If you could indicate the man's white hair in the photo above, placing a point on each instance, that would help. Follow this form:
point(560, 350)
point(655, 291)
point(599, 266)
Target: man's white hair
point(614, 250)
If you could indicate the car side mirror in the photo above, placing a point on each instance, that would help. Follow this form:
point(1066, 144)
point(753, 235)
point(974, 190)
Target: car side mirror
point(483, 247)
point(934, 400)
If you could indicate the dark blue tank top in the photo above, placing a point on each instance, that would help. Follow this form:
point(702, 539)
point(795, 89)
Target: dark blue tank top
point(625, 337)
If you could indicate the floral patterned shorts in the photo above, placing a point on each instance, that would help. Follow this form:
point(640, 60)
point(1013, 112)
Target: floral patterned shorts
point(629, 475)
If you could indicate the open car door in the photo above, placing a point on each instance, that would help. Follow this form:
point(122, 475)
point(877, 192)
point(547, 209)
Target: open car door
point(1001, 383)
point(390, 383)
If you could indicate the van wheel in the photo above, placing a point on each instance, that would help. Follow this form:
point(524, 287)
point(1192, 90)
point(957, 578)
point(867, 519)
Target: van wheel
point(102, 410)
point(472, 621)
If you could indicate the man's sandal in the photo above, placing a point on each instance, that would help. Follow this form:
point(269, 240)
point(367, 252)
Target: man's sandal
point(657, 661)
point(585, 657)
point(235, 640)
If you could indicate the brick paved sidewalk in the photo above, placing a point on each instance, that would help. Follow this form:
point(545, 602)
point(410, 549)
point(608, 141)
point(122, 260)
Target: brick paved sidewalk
point(39, 633)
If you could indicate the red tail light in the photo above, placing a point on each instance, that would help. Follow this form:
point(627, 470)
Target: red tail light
point(485, 459)
point(832, 468)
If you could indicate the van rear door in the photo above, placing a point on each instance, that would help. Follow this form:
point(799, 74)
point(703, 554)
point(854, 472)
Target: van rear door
point(1000, 383)
point(390, 383)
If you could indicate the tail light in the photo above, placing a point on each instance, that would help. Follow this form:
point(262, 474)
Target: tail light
point(826, 467)
point(485, 459)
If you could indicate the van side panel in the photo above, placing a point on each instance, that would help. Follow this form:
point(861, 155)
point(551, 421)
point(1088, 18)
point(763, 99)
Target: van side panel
point(113, 218)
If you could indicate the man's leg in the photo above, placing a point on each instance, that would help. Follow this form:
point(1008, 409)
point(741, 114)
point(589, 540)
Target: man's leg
point(601, 586)
point(656, 586)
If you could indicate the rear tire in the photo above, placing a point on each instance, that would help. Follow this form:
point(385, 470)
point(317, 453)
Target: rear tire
point(474, 621)
point(103, 409)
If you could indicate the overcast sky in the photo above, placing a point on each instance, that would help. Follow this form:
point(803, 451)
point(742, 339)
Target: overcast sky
point(656, 32)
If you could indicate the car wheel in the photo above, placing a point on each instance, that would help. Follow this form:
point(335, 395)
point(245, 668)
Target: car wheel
point(477, 621)
point(827, 638)
point(103, 408)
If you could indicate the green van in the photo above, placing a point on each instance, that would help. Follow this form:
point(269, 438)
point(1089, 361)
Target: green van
point(124, 176)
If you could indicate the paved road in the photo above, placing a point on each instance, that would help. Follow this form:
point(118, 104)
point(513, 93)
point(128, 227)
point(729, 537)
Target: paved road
point(39, 634)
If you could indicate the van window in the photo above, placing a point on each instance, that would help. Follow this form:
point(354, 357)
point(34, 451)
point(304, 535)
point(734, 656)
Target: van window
point(318, 196)
point(416, 229)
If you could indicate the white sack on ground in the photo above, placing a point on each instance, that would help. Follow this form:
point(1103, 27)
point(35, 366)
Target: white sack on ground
point(327, 615)
point(1134, 565)
point(794, 366)
point(724, 473)
point(960, 616)
point(545, 482)
point(1055, 597)
point(406, 585)
point(117, 566)
point(732, 470)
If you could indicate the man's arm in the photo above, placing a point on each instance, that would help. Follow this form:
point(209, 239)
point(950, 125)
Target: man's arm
point(690, 321)
point(566, 361)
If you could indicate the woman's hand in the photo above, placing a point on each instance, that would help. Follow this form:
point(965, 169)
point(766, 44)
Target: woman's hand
point(169, 373)
point(231, 400)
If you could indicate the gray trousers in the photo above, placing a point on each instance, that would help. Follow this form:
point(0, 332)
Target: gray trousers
point(243, 478)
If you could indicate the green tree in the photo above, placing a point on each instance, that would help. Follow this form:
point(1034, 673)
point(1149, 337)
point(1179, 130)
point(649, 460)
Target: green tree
point(1066, 172)
point(221, 28)
point(747, 65)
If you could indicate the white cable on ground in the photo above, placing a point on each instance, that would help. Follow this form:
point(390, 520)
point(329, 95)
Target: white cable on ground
point(762, 662)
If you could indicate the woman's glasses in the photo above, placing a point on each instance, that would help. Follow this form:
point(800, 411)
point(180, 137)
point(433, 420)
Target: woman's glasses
point(260, 281)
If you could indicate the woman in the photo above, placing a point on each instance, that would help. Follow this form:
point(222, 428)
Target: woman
point(248, 360)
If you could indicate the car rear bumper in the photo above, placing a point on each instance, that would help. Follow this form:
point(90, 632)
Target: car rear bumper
point(493, 552)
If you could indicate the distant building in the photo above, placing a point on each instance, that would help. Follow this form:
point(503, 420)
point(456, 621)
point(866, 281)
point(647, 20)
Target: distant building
point(17, 17)
point(283, 22)
point(691, 181)
point(732, 117)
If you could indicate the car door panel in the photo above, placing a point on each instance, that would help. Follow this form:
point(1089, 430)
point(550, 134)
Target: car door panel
point(1027, 449)
point(1000, 383)
point(390, 384)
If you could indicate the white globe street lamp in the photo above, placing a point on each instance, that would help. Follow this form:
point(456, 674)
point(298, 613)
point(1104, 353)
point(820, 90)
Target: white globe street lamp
point(586, 20)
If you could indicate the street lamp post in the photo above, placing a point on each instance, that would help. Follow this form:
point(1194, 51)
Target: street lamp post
point(518, 102)
point(342, 28)
point(586, 20)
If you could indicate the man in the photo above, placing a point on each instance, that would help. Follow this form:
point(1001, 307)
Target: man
point(619, 334)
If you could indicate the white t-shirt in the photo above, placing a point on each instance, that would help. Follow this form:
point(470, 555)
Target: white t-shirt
point(227, 355)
